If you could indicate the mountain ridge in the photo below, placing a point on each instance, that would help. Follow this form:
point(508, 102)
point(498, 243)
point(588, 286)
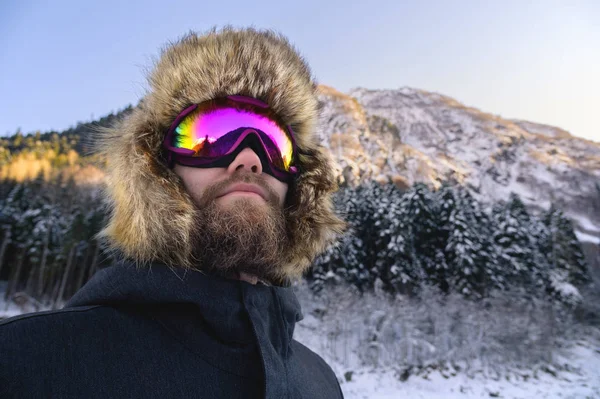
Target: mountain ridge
point(421, 136)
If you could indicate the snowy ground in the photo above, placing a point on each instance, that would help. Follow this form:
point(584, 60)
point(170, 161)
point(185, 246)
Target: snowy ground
point(8, 309)
point(580, 379)
point(574, 371)
point(340, 336)
point(574, 374)
point(24, 304)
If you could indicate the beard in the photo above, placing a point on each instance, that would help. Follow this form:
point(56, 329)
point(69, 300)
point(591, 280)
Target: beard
point(246, 236)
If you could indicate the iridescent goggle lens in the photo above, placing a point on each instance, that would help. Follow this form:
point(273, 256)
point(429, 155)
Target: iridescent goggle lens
point(206, 132)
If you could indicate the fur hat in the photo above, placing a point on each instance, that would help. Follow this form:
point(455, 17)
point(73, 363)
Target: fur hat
point(151, 214)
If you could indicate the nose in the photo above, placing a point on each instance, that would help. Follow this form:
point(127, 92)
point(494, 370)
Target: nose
point(247, 159)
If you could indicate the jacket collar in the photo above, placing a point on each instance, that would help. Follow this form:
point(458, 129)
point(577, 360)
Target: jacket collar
point(235, 314)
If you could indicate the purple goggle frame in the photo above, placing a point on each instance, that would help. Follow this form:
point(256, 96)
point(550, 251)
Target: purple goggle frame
point(270, 137)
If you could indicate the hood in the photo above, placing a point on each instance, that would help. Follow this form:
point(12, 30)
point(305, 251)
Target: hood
point(151, 214)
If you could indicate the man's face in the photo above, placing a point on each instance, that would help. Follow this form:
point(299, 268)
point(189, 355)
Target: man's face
point(214, 182)
point(240, 222)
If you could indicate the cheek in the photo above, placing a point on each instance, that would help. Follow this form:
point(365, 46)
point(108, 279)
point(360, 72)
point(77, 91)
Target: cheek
point(196, 190)
point(278, 187)
point(281, 189)
point(197, 186)
point(196, 180)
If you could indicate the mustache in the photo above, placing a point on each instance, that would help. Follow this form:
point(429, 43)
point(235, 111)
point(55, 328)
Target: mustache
point(211, 192)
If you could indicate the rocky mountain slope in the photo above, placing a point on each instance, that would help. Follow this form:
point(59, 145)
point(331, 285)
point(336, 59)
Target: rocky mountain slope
point(410, 135)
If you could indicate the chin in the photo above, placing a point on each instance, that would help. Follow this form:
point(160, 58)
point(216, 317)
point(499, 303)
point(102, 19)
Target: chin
point(241, 234)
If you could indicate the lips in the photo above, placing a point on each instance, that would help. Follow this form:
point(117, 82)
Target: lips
point(244, 187)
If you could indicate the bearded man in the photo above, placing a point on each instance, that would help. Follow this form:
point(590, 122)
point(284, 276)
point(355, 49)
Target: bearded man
point(219, 198)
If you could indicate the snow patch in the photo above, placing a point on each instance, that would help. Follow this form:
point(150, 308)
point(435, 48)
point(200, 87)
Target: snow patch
point(579, 377)
point(584, 237)
point(585, 223)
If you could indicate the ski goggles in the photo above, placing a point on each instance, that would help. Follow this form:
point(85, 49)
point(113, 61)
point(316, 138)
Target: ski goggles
point(210, 134)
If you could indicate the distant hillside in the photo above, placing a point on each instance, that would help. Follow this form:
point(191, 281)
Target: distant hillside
point(409, 135)
point(54, 154)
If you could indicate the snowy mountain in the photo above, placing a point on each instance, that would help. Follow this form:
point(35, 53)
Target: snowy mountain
point(409, 135)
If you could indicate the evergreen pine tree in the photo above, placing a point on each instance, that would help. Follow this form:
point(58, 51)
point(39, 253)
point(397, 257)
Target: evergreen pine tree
point(390, 258)
point(514, 242)
point(564, 247)
point(493, 274)
point(345, 260)
point(397, 256)
point(418, 238)
point(464, 247)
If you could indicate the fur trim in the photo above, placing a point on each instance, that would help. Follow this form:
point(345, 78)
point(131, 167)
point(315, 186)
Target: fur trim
point(151, 214)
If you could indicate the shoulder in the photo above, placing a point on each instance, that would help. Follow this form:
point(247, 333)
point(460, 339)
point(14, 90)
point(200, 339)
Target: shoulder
point(47, 315)
point(307, 355)
point(50, 318)
point(34, 334)
point(43, 325)
point(33, 342)
point(315, 367)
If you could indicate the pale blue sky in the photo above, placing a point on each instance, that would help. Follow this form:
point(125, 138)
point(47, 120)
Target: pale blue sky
point(64, 61)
